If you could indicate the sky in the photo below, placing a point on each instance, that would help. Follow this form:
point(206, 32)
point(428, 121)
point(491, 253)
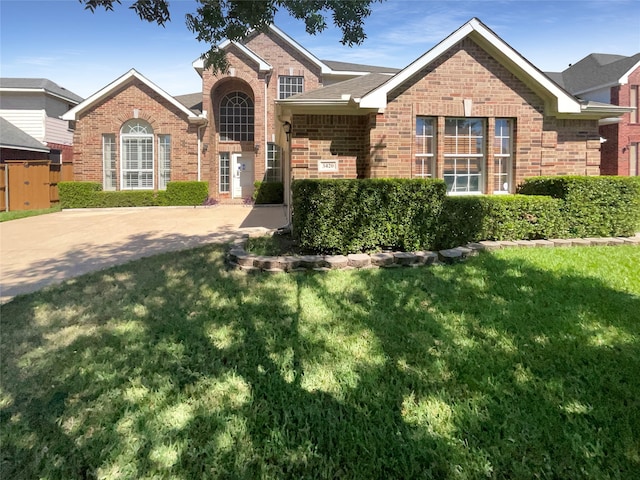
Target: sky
point(83, 51)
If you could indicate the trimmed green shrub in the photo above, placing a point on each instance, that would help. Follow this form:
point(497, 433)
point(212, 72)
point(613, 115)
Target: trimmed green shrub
point(499, 217)
point(90, 195)
point(268, 192)
point(77, 194)
point(187, 193)
point(593, 206)
point(346, 216)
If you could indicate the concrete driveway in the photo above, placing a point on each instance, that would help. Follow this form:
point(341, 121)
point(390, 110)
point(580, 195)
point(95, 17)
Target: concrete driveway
point(47, 249)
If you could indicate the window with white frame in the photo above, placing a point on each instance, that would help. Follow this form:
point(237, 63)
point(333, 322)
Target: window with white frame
point(109, 175)
point(137, 155)
point(225, 170)
point(289, 85)
point(236, 118)
point(274, 163)
point(425, 147)
point(463, 155)
point(634, 102)
point(502, 155)
point(634, 159)
point(164, 161)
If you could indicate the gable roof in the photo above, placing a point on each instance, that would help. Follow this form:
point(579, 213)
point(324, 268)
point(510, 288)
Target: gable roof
point(596, 71)
point(43, 85)
point(193, 101)
point(16, 139)
point(132, 74)
point(327, 67)
point(344, 93)
point(558, 99)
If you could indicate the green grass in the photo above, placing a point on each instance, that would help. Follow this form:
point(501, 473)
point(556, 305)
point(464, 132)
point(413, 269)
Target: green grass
point(519, 364)
point(16, 214)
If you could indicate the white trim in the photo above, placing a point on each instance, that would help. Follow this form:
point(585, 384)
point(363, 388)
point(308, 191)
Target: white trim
point(106, 91)
point(566, 103)
point(624, 79)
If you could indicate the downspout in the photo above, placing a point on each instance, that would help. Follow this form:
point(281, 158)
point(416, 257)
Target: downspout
point(200, 150)
point(267, 78)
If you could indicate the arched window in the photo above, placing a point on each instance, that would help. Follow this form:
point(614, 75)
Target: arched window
point(236, 118)
point(137, 155)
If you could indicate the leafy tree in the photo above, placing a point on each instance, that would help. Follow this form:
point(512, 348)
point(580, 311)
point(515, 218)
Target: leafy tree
point(217, 20)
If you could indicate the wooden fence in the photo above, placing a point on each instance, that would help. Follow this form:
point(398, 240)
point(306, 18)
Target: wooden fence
point(32, 184)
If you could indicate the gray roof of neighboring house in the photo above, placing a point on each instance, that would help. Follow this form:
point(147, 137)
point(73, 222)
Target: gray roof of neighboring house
point(593, 71)
point(193, 101)
point(40, 84)
point(356, 87)
point(12, 137)
point(357, 67)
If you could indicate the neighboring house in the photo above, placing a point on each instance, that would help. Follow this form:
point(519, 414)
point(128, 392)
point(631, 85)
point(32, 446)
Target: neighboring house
point(613, 79)
point(471, 111)
point(15, 144)
point(35, 105)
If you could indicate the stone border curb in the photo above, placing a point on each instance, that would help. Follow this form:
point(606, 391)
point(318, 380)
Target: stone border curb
point(239, 258)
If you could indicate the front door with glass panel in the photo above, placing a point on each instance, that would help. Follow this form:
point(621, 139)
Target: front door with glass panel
point(242, 169)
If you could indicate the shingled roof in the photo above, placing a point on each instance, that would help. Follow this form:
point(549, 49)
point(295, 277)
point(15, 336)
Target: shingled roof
point(14, 138)
point(596, 70)
point(42, 84)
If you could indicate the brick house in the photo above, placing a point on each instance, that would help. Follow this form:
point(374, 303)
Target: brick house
point(471, 111)
point(613, 79)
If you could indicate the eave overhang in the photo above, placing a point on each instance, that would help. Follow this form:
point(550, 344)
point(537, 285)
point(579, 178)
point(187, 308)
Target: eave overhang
point(132, 74)
point(557, 100)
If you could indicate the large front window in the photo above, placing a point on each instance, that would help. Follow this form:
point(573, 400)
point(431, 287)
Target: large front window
point(236, 118)
point(137, 155)
point(463, 154)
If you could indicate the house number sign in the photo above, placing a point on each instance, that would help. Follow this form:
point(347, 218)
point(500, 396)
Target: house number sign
point(327, 165)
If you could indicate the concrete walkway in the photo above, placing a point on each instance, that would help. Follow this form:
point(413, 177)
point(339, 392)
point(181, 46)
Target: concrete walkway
point(47, 249)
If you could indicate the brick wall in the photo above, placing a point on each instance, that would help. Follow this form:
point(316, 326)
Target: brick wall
point(615, 152)
point(108, 118)
point(244, 76)
point(543, 145)
point(333, 138)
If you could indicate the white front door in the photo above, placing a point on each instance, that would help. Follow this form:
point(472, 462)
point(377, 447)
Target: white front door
point(242, 168)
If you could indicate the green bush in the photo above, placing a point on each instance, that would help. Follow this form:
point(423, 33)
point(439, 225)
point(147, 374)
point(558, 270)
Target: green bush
point(90, 195)
point(499, 217)
point(344, 216)
point(77, 194)
point(593, 206)
point(268, 192)
point(187, 193)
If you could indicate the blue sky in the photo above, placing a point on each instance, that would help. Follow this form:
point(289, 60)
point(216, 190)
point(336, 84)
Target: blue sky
point(83, 52)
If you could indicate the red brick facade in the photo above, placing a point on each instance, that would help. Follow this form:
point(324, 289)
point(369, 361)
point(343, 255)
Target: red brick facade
point(623, 138)
point(133, 100)
point(463, 82)
point(382, 145)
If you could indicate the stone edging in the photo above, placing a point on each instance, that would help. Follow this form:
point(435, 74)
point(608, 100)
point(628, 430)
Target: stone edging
point(239, 258)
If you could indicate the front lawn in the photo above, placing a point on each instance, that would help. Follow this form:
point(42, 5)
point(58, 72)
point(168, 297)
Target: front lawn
point(518, 364)
point(17, 214)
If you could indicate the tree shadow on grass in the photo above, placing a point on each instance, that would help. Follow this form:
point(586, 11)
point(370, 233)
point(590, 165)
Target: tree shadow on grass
point(173, 366)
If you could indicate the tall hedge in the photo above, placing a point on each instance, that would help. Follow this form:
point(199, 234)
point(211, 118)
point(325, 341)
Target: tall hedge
point(593, 206)
point(345, 216)
point(500, 217)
